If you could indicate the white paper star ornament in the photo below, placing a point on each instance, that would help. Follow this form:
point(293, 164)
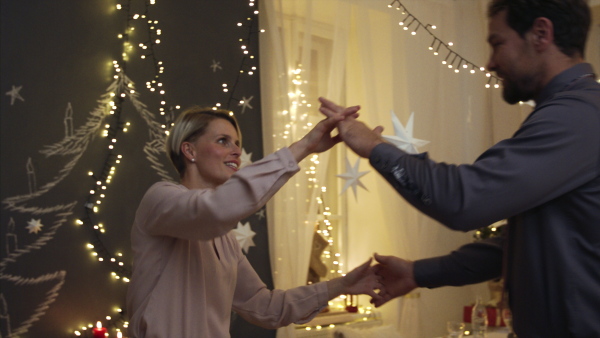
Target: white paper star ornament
point(34, 226)
point(403, 136)
point(352, 177)
point(243, 234)
point(246, 158)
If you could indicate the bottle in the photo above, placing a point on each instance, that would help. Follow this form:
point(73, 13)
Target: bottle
point(479, 320)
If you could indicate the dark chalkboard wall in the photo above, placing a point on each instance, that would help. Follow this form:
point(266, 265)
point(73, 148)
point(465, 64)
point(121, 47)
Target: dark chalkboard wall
point(56, 74)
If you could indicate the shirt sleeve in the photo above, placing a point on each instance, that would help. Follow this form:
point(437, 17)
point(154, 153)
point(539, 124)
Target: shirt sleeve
point(555, 150)
point(272, 309)
point(172, 210)
point(472, 263)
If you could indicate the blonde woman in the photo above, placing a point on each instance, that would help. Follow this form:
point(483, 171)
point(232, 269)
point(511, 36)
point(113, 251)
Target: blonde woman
point(189, 272)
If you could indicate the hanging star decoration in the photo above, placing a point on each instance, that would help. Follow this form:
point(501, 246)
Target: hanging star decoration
point(352, 177)
point(403, 136)
point(260, 213)
point(245, 103)
point(215, 65)
point(14, 94)
point(243, 234)
point(34, 226)
point(246, 158)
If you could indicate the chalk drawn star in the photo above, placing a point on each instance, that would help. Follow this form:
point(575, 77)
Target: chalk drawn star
point(244, 102)
point(243, 234)
point(215, 65)
point(14, 94)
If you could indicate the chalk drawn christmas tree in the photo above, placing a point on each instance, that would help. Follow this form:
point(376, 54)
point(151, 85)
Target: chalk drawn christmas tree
point(42, 222)
point(34, 217)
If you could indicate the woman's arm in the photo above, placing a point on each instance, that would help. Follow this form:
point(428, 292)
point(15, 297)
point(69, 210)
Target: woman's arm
point(277, 308)
point(172, 210)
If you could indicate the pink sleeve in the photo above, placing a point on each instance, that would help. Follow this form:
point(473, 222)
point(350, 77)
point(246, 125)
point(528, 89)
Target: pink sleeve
point(172, 210)
point(275, 308)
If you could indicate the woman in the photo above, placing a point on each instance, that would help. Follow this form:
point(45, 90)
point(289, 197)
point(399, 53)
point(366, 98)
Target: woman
point(189, 272)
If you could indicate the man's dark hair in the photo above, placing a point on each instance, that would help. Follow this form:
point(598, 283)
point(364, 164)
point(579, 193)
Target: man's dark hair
point(571, 20)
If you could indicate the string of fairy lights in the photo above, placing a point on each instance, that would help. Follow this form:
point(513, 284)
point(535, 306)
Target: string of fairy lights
point(116, 126)
point(453, 60)
point(248, 62)
point(298, 114)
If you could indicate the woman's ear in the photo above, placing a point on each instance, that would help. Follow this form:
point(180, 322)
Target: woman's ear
point(187, 149)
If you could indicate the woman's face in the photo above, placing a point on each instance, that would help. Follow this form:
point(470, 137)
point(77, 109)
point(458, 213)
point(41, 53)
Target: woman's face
point(217, 153)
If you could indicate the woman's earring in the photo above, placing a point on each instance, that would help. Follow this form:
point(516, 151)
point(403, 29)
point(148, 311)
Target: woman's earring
point(193, 160)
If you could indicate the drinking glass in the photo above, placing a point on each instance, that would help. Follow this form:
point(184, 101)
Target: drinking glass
point(455, 329)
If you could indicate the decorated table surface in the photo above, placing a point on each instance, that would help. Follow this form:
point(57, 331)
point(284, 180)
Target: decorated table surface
point(492, 332)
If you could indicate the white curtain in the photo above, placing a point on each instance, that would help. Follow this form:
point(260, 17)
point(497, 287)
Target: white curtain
point(355, 52)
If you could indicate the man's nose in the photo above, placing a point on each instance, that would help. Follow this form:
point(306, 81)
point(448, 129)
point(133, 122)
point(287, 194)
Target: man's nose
point(491, 65)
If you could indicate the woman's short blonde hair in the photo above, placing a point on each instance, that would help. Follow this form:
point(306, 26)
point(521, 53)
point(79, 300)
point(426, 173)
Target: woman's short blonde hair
point(190, 125)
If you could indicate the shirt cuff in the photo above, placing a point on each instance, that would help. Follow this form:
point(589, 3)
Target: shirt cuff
point(428, 272)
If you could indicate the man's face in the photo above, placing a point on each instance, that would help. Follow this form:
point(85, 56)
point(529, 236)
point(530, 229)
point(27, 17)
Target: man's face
point(513, 59)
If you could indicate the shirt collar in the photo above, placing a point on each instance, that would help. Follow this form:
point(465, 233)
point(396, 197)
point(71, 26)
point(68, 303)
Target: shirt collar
point(562, 80)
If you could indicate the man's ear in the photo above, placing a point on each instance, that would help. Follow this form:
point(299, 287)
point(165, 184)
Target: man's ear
point(542, 32)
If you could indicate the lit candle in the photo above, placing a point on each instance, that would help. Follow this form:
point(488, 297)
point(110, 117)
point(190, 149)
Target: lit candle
point(99, 331)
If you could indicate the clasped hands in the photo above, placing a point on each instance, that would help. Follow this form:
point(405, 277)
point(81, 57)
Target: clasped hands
point(355, 134)
point(391, 277)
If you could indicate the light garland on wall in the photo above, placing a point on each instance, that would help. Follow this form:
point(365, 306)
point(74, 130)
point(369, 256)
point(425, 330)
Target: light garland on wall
point(119, 90)
point(148, 52)
point(248, 63)
point(453, 60)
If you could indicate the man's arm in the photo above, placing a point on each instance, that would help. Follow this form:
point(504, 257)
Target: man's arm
point(472, 263)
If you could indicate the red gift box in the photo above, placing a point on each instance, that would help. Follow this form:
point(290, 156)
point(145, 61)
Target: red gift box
point(493, 313)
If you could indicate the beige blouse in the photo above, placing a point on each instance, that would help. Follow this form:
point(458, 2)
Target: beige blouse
point(189, 272)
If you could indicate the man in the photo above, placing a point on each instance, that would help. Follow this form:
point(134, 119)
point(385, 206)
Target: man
point(545, 179)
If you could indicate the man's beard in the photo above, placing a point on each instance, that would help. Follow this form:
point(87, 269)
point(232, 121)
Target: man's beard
point(515, 92)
